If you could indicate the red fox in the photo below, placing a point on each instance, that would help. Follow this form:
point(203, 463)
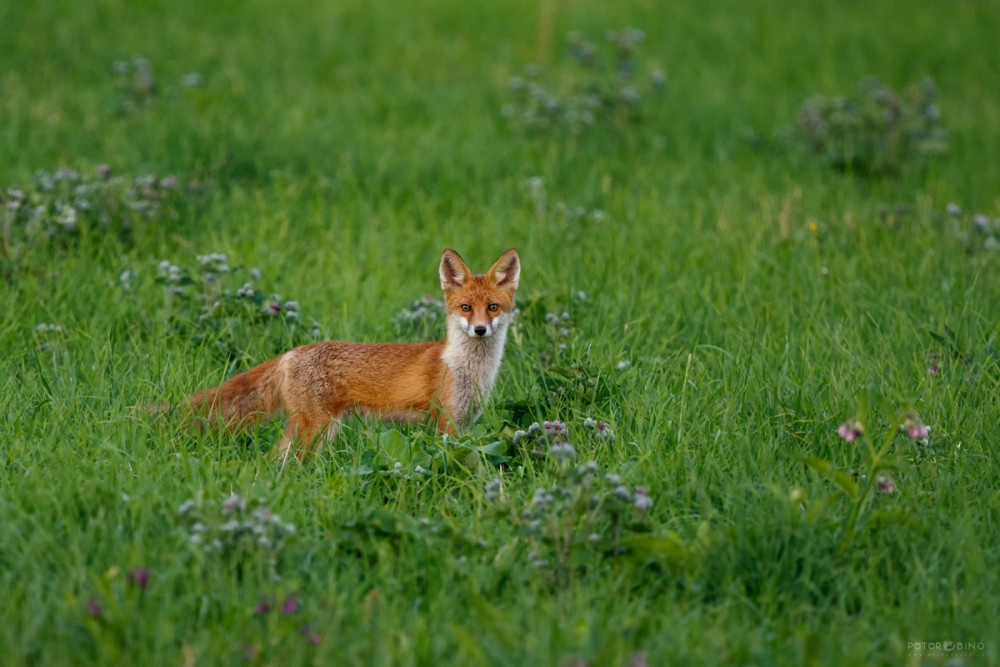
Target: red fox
point(446, 381)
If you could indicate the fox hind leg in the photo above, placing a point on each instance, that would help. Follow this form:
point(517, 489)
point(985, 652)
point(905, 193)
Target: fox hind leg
point(302, 432)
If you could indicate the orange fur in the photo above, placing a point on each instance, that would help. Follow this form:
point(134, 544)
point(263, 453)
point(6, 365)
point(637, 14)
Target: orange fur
point(445, 382)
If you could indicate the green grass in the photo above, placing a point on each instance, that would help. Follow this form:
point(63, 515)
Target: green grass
point(760, 297)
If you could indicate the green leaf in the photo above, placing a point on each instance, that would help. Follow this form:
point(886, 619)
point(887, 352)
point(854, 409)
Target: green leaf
point(834, 474)
point(393, 446)
point(498, 448)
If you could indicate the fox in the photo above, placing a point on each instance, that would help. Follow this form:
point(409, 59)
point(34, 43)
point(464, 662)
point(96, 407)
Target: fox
point(444, 382)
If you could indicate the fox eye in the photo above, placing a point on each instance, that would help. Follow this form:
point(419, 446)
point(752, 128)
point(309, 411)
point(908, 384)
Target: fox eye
point(466, 307)
point(493, 307)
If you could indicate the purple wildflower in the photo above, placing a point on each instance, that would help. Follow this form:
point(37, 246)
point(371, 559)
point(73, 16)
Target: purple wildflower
point(290, 605)
point(139, 576)
point(93, 607)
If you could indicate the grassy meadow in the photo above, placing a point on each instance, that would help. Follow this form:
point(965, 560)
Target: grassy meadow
point(775, 353)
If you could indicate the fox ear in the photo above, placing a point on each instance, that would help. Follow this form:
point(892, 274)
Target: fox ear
point(455, 273)
point(506, 271)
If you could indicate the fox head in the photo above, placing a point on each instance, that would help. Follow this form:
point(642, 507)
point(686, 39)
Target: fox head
point(480, 306)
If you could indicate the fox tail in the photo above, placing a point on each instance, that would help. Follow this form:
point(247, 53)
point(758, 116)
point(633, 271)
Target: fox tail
point(241, 401)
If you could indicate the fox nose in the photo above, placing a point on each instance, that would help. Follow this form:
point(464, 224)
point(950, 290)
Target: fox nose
point(480, 330)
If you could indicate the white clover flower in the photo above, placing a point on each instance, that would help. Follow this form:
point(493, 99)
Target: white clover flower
point(642, 500)
point(68, 218)
point(622, 492)
point(192, 80)
point(542, 498)
point(230, 526)
point(493, 489)
point(234, 503)
point(563, 451)
point(554, 428)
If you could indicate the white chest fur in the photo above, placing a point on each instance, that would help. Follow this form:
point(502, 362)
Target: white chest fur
point(473, 364)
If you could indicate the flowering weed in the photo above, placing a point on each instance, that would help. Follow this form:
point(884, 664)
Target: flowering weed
point(979, 232)
point(63, 206)
point(423, 319)
point(599, 91)
point(135, 84)
point(874, 463)
point(236, 529)
point(581, 516)
point(876, 131)
point(212, 301)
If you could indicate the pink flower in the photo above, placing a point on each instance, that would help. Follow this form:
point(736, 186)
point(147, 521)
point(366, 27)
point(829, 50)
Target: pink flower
point(914, 428)
point(850, 430)
point(885, 484)
point(290, 606)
